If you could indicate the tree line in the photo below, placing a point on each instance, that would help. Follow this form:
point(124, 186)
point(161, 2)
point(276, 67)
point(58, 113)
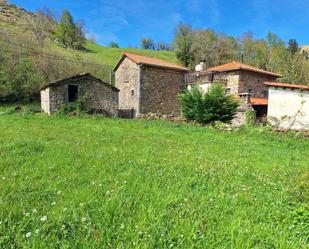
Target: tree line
point(270, 53)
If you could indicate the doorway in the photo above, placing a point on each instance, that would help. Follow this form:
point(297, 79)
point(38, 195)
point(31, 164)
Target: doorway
point(72, 93)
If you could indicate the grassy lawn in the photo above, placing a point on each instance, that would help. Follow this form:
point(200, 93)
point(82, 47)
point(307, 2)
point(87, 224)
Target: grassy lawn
point(90, 182)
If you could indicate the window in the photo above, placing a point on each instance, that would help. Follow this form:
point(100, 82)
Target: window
point(228, 91)
point(72, 93)
point(132, 92)
point(265, 93)
point(126, 75)
point(250, 90)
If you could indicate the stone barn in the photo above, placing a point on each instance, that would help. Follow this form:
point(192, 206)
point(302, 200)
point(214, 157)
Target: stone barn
point(288, 105)
point(97, 94)
point(148, 85)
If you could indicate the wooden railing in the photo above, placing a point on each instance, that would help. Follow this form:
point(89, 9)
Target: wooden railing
point(205, 77)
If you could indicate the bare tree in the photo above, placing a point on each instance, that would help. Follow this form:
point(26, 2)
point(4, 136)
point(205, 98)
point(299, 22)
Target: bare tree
point(163, 46)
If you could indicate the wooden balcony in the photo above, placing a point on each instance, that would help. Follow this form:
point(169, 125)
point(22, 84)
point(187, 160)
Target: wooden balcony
point(205, 77)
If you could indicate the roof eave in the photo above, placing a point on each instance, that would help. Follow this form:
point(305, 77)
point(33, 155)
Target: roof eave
point(245, 69)
point(62, 81)
point(171, 68)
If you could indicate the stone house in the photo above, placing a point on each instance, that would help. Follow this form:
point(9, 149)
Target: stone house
point(243, 81)
point(148, 85)
point(288, 105)
point(98, 95)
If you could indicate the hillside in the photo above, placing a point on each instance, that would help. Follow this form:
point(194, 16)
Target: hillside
point(110, 56)
point(18, 20)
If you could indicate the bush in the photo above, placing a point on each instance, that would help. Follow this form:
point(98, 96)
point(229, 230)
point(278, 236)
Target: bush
point(69, 109)
point(250, 118)
point(69, 34)
point(208, 107)
point(77, 107)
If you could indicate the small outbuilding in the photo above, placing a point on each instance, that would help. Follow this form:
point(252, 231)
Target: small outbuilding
point(97, 95)
point(288, 105)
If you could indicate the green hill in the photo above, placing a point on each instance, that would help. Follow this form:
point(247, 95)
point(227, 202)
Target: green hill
point(110, 56)
point(32, 58)
point(19, 21)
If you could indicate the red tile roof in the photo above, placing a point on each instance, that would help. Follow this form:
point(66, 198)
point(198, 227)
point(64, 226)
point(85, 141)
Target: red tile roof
point(258, 101)
point(286, 85)
point(239, 66)
point(139, 59)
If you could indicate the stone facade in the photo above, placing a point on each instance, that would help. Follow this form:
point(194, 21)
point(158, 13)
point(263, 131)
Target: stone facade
point(160, 89)
point(97, 94)
point(148, 88)
point(127, 80)
point(232, 83)
point(241, 81)
point(253, 83)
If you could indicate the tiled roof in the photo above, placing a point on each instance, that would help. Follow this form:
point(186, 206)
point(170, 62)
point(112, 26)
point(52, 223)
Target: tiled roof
point(139, 59)
point(239, 66)
point(286, 85)
point(258, 101)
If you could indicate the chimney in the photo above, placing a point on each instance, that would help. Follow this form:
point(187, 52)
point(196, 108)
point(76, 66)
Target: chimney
point(203, 65)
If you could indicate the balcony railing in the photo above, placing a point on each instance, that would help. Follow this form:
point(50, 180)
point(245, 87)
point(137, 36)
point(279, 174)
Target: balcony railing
point(205, 77)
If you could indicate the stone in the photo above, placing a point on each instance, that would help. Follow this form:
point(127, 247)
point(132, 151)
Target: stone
point(96, 95)
point(148, 88)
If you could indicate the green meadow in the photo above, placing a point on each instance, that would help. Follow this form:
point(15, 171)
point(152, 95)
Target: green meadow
point(94, 182)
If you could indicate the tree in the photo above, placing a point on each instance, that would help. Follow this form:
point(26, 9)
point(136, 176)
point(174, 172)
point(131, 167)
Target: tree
point(211, 47)
point(147, 43)
point(113, 44)
point(41, 26)
point(68, 33)
point(293, 47)
point(208, 107)
point(295, 64)
point(162, 46)
point(183, 43)
point(276, 53)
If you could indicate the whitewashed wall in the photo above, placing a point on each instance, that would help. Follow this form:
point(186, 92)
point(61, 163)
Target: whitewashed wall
point(203, 86)
point(288, 108)
point(45, 100)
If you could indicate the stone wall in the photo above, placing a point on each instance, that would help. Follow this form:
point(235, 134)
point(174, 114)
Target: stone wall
point(98, 96)
point(233, 82)
point(255, 82)
point(127, 78)
point(160, 89)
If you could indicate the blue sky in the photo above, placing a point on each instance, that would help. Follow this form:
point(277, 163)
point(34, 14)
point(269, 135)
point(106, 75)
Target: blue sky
point(127, 21)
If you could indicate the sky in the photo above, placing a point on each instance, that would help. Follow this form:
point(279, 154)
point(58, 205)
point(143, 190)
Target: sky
point(127, 21)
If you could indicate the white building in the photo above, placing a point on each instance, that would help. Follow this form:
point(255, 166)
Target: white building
point(288, 105)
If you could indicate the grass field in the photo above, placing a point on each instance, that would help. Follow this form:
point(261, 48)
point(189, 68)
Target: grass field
point(92, 182)
point(110, 56)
